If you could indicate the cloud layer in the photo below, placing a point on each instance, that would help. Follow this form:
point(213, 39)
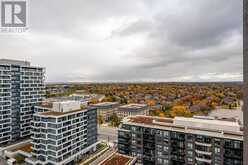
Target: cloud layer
point(141, 40)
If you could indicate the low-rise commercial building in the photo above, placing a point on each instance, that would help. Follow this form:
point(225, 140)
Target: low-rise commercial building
point(132, 110)
point(106, 109)
point(62, 133)
point(165, 141)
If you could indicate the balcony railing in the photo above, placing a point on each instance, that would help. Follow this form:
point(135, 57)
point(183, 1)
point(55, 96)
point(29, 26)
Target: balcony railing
point(203, 152)
point(203, 144)
point(203, 160)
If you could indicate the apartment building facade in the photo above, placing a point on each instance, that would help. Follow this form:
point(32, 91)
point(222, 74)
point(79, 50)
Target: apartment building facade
point(22, 87)
point(132, 110)
point(62, 133)
point(181, 140)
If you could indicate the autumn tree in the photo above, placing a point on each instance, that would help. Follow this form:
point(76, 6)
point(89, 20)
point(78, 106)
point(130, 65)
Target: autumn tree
point(150, 103)
point(93, 101)
point(155, 112)
point(166, 107)
point(123, 100)
point(110, 98)
point(180, 110)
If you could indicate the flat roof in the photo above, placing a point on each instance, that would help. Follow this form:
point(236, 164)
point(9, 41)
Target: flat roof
point(24, 64)
point(105, 104)
point(48, 103)
point(14, 62)
point(148, 120)
point(208, 127)
point(178, 120)
point(25, 148)
point(205, 122)
point(118, 159)
point(133, 106)
point(57, 114)
point(236, 114)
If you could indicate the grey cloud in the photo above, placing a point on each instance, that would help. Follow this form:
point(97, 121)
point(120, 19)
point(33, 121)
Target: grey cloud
point(139, 26)
point(150, 40)
point(196, 35)
point(203, 23)
point(198, 24)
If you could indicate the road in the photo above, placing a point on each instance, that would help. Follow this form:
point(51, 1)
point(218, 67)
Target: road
point(107, 133)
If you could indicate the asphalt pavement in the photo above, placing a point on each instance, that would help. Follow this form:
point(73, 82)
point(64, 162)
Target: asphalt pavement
point(108, 134)
point(3, 161)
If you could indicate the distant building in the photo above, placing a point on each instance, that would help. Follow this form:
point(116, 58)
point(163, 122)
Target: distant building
point(106, 109)
point(87, 97)
point(55, 90)
point(21, 87)
point(62, 133)
point(132, 110)
point(165, 141)
point(198, 108)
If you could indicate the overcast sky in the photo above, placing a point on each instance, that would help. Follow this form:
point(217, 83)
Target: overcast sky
point(132, 40)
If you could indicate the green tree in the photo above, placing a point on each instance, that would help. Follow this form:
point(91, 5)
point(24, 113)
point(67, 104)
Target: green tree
point(100, 119)
point(123, 100)
point(115, 120)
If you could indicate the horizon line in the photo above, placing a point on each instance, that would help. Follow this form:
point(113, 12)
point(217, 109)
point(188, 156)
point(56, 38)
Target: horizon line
point(133, 82)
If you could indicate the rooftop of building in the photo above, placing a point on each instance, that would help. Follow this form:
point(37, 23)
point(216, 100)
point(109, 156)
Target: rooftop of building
point(48, 103)
point(58, 114)
point(118, 159)
point(103, 104)
point(148, 120)
point(59, 108)
point(20, 145)
point(228, 114)
point(19, 63)
point(14, 62)
point(204, 125)
point(25, 148)
point(133, 106)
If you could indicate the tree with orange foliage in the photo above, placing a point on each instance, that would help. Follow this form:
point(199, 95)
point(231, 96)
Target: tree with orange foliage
point(180, 110)
point(150, 103)
point(161, 114)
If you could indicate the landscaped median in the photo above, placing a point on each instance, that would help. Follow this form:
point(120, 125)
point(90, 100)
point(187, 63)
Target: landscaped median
point(118, 159)
point(100, 149)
